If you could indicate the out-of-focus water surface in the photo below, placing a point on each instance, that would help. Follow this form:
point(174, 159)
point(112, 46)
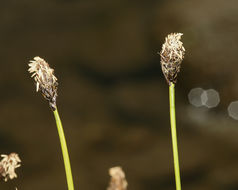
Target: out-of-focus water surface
point(113, 98)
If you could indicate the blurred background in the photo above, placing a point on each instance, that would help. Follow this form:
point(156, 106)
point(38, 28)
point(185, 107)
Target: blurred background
point(113, 98)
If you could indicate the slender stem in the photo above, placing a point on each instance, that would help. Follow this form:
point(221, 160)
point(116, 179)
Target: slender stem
point(174, 136)
point(64, 151)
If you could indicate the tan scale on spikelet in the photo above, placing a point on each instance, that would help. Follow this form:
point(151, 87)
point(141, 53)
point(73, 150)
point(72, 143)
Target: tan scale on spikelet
point(46, 82)
point(172, 54)
point(8, 165)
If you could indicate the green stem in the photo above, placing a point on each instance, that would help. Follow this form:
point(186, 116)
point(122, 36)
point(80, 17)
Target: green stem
point(174, 136)
point(64, 151)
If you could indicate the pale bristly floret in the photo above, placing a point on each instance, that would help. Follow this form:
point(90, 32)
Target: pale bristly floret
point(118, 179)
point(8, 165)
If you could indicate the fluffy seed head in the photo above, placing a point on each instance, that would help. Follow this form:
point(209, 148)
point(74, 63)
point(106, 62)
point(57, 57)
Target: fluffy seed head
point(45, 80)
point(8, 165)
point(172, 54)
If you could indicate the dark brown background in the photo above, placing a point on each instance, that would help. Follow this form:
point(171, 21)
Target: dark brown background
point(113, 98)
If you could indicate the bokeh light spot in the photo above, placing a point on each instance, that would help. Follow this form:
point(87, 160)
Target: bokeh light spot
point(194, 97)
point(210, 98)
point(233, 110)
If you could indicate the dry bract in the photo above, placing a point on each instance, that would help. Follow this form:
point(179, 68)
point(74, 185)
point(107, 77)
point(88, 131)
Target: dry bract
point(172, 54)
point(45, 80)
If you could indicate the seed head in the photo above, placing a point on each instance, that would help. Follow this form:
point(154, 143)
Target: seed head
point(118, 180)
point(172, 54)
point(8, 165)
point(45, 80)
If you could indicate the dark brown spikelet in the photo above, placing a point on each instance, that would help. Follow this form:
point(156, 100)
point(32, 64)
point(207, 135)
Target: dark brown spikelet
point(172, 54)
point(45, 80)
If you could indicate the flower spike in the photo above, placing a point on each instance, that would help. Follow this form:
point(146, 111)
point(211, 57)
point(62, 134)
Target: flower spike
point(172, 55)
point(46, 82)
point(8, 165)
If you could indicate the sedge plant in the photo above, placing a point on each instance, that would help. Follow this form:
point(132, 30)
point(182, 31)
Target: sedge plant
point(172, 54)
point(47, 84)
